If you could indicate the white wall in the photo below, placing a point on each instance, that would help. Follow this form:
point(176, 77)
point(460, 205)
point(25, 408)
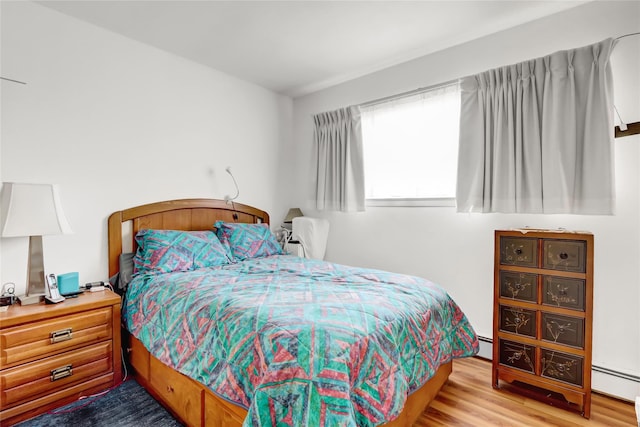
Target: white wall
point(116, 124)
point(456, 250)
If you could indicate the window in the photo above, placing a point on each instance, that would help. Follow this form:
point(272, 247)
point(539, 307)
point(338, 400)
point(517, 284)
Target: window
point(411, 148)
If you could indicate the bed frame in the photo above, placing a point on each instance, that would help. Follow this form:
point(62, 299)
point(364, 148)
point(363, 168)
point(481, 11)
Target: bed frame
point(191, 402)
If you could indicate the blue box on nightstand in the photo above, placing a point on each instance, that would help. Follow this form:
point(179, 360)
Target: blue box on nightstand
point(68, 283)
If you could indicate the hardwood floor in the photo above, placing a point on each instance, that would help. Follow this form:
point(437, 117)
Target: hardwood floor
point(468, 399)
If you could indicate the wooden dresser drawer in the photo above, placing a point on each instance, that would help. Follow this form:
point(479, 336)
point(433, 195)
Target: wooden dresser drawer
point(517, 355)
point(519, 286)
point(563, 329)
point(521, 251)
point(36, 340)
point(564, 255)
point(562, 366)
point(14, 414)
point(182, 393)
point(45, 376)
point(518, 321)
point(563, 292)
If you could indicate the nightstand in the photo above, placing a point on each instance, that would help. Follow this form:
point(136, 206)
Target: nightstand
point(51, 355)
point(294, 247)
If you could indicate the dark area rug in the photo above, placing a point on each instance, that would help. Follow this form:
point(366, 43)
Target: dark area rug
point(126, 405)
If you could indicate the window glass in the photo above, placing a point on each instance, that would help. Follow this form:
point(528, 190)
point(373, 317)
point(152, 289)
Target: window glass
point(411, 146)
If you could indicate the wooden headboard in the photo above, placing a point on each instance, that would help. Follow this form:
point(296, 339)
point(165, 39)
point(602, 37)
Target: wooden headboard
point(183, 214)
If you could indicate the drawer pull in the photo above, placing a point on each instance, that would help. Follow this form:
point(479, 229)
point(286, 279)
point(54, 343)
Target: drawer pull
point(169, 389)
point(59, 373)
point(519, 251)
point(564, 255)
point(61, 335)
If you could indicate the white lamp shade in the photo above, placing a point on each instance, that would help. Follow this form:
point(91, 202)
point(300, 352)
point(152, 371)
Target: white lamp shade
point(32, 210)
point(293, 213)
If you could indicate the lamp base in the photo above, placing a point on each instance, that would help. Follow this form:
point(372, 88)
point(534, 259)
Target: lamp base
point(36, 290)
point(31, 299)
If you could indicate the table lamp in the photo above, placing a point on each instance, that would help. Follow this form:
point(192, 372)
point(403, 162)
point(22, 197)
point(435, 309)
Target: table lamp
point(33, 210)
point(293, 213)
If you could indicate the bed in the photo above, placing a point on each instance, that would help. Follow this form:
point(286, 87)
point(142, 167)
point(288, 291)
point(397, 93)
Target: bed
point(276, 339)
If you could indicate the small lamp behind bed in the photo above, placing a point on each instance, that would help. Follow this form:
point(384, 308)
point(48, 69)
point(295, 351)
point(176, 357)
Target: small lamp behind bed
point(288, 220)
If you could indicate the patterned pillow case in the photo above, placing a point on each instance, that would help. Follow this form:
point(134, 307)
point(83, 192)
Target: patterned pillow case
point(248, 240)
point(164, 251)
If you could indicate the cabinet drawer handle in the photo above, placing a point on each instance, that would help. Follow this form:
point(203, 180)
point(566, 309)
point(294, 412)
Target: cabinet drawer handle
point(62, 372)
point(61, 335)
point(564, 255)
point(169, 389)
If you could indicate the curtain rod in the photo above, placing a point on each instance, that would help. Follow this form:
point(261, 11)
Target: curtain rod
point(11, 80)
point(627, 35)
point(432, 87)
point(408, 93)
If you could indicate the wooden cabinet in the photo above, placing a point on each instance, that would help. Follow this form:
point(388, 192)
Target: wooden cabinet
point(542, 314)
point(51, 355)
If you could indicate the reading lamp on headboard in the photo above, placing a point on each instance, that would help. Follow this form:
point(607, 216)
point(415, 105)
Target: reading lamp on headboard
point(228, 198)
point(33, 210)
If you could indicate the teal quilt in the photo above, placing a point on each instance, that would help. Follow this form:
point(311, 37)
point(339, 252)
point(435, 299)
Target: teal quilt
point(300, 342)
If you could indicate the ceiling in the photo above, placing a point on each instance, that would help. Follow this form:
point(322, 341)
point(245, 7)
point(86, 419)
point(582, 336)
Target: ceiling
point(298, 47)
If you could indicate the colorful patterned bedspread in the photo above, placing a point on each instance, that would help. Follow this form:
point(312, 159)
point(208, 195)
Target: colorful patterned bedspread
point(300, 342)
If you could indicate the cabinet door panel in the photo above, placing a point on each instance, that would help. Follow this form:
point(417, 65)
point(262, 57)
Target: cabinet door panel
point(519, 286)
point(565, 255)
point(563, 329)
point(520, 251)
point(517, 355)
point(518, 321)
point(563, 292)
point(562, 366)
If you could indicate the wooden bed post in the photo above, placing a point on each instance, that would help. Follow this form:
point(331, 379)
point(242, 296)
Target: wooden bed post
point(115, 241)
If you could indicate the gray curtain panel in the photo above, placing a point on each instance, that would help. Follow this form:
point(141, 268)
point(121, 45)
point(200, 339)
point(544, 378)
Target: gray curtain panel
point(537, 137)
point(340, 167)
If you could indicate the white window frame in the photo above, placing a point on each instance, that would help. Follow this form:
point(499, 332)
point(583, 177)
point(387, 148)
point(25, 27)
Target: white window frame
point(410, 201)
point(414, 202)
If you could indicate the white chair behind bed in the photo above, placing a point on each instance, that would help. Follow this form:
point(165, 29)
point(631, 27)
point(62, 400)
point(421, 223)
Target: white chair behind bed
point(312, 233)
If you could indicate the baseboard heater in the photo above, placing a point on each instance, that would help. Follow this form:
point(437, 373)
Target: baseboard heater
point(618, 384)
point(623, 375)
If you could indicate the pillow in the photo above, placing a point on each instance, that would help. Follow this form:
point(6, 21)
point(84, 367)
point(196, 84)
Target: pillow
point(164, 251)
point(248, 240)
